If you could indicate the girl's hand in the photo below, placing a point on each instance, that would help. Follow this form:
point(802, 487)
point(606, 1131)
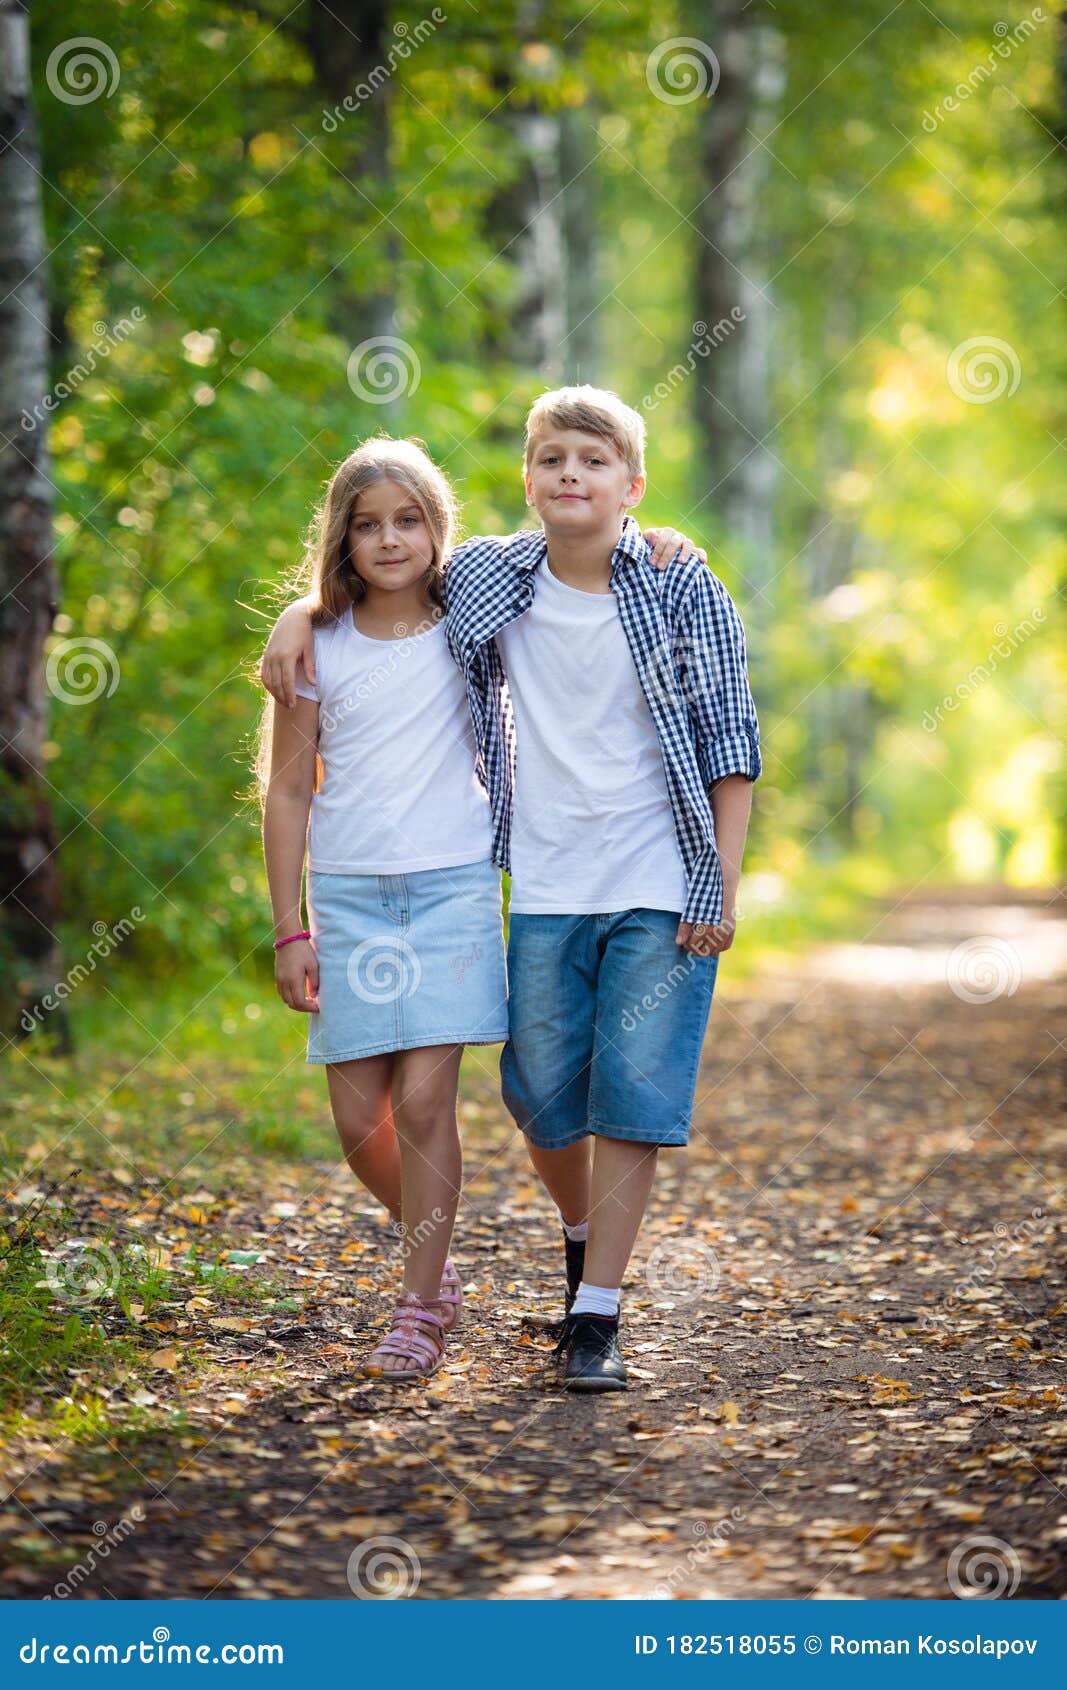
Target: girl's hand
point(290, 642)
point(702, 940)
point(665, 543)
point(295, 965)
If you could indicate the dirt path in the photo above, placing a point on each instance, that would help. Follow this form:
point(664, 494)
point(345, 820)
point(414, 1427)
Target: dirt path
point(845, 1325)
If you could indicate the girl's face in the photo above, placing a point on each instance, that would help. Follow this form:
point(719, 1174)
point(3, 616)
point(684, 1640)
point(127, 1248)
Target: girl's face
point(388, 538)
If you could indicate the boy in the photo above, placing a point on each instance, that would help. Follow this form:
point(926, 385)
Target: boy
point(619, 742)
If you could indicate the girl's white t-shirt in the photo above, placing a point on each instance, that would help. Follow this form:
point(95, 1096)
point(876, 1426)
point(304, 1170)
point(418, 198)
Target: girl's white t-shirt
point(400, 793)
point(593, 829)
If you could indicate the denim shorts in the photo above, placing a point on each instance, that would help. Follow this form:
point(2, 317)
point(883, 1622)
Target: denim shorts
point(608, 1017)
point(407, 960)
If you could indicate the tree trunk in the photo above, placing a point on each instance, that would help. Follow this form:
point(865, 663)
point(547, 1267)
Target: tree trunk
point(731, 395)
point(349, 47)
point(29, 881)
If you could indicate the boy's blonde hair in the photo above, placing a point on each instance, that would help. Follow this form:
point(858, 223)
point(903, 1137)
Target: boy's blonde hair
point(594, 410)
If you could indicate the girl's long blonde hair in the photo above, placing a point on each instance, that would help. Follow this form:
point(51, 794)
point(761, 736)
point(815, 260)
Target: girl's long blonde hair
point(326, 574)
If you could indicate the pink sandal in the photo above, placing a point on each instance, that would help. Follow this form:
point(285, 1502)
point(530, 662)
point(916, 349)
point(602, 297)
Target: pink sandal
point(417, 1334)
point(451, 1296)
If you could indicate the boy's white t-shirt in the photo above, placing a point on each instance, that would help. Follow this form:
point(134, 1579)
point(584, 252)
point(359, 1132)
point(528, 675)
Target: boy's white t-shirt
point(592, 830)
point(400, 793)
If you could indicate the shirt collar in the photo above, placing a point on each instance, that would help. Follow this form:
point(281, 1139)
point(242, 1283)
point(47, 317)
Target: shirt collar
point(532, 548)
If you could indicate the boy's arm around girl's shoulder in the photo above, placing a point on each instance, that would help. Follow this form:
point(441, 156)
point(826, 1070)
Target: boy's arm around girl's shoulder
point(712, 660)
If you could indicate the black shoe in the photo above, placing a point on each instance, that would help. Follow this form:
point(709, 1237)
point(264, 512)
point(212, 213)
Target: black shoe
point(575, 1252)
point(589, 1346)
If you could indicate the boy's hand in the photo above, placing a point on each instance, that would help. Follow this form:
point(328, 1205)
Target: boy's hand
point(291, 640)
point(295, 965)
point(701, 940)
point(665, 543)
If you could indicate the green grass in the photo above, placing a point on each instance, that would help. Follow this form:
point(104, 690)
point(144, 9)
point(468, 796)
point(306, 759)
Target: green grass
point(79, 1309)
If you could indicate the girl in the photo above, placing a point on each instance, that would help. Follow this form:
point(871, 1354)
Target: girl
point(402, 960)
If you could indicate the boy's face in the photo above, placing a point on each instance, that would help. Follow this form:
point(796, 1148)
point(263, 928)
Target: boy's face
point(578, 483)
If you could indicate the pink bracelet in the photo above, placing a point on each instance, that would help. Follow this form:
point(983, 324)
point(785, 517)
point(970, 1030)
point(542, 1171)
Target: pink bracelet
point(278, 943)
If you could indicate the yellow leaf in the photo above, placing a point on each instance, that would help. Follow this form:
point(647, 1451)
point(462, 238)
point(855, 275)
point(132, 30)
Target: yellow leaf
point(165, 1358)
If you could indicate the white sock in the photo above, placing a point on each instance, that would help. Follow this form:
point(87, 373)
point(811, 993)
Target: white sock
point(596, 1299)
point(577, 1234)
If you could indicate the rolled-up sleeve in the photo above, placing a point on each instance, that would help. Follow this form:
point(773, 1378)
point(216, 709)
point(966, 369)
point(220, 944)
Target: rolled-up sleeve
point(713, 671)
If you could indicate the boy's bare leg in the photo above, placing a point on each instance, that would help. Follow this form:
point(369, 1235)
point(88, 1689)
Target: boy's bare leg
point(565, 1175)
point(623, 1172)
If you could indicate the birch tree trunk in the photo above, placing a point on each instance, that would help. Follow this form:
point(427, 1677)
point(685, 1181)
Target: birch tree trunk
point(29, 881)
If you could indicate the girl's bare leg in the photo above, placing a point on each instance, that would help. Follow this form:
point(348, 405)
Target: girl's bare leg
point(360, 1097)
point(425, 1083)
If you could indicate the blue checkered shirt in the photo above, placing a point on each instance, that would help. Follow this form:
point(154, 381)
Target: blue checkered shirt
point(688, 646)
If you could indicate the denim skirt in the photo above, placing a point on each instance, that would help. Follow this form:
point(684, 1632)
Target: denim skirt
point(407, 960)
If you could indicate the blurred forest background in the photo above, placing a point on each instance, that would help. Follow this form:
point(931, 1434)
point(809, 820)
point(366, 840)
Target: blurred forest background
point(820, 247)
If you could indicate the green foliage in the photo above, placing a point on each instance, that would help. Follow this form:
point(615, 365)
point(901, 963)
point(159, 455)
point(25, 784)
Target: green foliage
point(208, 193)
